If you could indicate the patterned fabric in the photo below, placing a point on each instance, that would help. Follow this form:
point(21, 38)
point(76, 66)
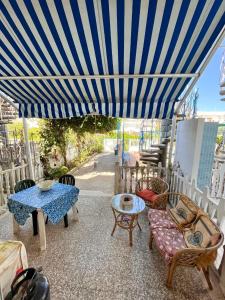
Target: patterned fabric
point(204, 234)
point(160, 218)
point(184, 212)
point(168, 241)
point(55, 203)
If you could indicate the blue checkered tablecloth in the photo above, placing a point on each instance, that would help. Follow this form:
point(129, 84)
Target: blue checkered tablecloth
point(55, 203)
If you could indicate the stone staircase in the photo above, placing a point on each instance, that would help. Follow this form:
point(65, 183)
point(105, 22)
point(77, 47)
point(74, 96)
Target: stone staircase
point(7, 112)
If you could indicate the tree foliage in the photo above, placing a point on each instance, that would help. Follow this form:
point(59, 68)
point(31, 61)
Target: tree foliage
point(91, 124)
point(59, 132)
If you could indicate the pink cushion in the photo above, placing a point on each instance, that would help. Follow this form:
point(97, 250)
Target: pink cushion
point(160, 218)
point(168, 241)
point(147, 195)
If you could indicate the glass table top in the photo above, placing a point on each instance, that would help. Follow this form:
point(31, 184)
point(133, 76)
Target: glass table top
point(137, 207)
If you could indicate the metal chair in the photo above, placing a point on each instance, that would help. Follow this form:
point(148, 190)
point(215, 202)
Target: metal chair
point(23, 185)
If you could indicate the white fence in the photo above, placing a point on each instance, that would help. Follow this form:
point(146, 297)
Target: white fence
point(9, 178)
point(217, 188)
point(215, 207)
point(126, 176)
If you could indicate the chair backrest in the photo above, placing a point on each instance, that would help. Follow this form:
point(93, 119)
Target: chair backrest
point(67, 179)
point(23, 184)
point(156, 184)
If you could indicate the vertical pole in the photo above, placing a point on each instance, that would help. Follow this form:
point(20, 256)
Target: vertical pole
point(123, 146)
point(28, 152)
point(173, 132)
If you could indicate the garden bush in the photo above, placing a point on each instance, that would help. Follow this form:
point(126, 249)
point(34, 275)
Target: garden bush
point(57, 172)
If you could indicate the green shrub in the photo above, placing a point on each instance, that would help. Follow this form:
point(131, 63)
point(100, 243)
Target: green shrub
point(57, 172)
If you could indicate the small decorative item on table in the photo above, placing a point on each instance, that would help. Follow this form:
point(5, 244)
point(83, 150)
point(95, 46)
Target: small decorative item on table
point(45, 185)
point(126, 201)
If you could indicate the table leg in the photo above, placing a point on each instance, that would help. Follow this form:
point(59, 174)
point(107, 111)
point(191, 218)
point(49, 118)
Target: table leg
point(138, 225)
point(42, 233)
point(75, 213)
point(16, 226)
point(131, 230)
point(66, 220)
point(115, 222)
point(35, 222)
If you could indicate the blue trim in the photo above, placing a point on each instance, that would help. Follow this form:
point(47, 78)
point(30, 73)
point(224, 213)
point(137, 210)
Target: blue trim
point(146, 48)
point(133, 49)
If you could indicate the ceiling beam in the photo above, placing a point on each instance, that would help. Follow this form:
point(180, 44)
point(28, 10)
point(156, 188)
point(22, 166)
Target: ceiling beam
point(97, 76)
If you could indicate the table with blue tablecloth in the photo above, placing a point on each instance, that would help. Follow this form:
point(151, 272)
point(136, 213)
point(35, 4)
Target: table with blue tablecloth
point(54, 203)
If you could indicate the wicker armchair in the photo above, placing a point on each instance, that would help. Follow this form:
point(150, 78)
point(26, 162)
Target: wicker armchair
point(156, 185)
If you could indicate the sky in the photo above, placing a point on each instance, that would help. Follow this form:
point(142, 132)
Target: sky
point(208, 85)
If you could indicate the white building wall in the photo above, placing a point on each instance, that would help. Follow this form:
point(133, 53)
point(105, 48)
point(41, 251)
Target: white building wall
point(195, 144)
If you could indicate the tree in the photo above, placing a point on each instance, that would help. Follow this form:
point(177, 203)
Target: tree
point(54, 133)
point(57, 132)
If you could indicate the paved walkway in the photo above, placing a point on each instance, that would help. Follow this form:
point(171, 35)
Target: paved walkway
point(83, 261)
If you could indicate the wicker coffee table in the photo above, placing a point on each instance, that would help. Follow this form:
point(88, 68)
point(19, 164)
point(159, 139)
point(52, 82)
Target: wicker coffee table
point(127, 218)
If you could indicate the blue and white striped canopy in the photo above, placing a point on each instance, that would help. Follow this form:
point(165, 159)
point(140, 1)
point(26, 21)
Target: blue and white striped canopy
point(52, 53)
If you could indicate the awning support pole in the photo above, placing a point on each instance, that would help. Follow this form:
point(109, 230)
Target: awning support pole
point(173, 132)
point(28, 151)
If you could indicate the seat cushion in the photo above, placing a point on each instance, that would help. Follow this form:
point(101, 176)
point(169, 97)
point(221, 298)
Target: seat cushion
point(160, 218)
point(168, 241)
point(147, 195)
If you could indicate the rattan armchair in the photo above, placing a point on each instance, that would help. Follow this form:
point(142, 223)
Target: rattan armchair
point(159, 187)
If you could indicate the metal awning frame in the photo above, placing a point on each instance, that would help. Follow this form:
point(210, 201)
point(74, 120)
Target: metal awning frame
point(98, 76)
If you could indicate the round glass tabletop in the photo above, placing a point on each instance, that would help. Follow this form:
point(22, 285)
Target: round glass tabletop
point(137, 207)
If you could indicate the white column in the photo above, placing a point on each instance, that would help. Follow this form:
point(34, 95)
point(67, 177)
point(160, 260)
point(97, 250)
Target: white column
point(28, 152)
point(173, 132)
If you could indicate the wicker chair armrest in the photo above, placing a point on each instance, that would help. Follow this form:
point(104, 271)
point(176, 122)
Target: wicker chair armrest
point(197, 256)
point(161, 201)
point(188, 256)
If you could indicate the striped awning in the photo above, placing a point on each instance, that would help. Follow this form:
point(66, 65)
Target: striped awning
point(125, 58)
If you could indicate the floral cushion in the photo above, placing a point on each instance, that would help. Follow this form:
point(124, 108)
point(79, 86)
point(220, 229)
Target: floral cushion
point(185, 211)
point(168, 241)
point(160, 218)
point(147, 195)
